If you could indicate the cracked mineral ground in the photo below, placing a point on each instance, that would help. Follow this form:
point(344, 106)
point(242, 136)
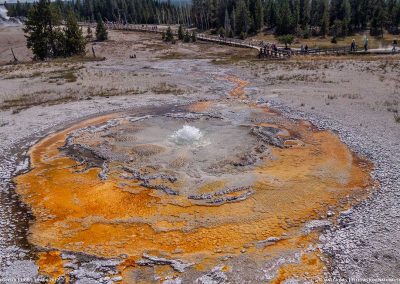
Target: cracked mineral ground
point(182, 190)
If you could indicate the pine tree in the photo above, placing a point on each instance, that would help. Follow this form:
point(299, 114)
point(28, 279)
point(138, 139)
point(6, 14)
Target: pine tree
point(169, 36)
point(221, 32)
point(304, 13)
point(101, 32)
point(271, 13)
point(324, 24)
point(378, 18)
point(242, 18)
point(39, 28)
point(194, 37)
point(89, 33)
point(227, 21)
point(59, 45)
point(258, 15)
point(180, 33)
point(284, 19)
point(315, 15)
point(186, 36)
point(75, 43)
point(393, 16)
point(346, 17)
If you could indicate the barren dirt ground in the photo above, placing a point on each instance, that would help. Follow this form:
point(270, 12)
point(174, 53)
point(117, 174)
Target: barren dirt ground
point(357, 98)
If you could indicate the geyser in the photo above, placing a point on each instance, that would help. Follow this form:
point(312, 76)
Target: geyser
point(3, 13)
point(5, 20)
point(187, 135)
point(119, 184)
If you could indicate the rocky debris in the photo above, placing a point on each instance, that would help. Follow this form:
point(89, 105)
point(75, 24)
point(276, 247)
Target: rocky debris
point(330, 213)
point(146, 180)
point(138, 118)
point(245, 160)
point(293, 281)
point(271, 270)
point(176, 264)
point(14, 269)
point(61, 280)
point(85, 269)
point(15, 253)
point(268, 135)
point(170, 280)
point(317, 225)
point(85, 155)
point(104, 171)
point(65, 256)
point(91, 129)
point(221, 197)
point(215, 276)
point(192, 115)
point(267, 242)
point(270, 240)
point(160, 187)
point(116, 278)
point(23, 166)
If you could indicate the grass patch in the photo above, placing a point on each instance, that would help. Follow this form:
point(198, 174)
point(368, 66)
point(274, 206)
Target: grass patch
point(164, 88)
point(69, 77)
point(173, 55)
point(23, 76)
point(74, 59)
point(34, 99)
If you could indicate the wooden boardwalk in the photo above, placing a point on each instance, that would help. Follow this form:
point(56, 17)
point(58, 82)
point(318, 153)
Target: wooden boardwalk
point(265, 49)
point(258, 45)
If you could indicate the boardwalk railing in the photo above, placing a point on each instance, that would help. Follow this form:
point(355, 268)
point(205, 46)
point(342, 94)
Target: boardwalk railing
point(203, 37)
point(265, 49)
point(325, 51)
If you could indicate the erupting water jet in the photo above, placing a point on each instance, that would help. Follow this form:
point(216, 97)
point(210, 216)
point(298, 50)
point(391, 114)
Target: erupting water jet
point(187, 135)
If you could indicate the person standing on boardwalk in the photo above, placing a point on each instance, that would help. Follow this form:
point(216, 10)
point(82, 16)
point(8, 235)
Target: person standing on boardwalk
point(394, 45)
point(366, 44)
point(353, 45)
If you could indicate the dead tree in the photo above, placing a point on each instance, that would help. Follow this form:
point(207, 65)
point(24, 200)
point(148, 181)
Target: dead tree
point(13, 54)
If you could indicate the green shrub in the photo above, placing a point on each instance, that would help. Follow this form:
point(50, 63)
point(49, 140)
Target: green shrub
point(286, 40)
point(180, 33)
point(101, 31)
point(186, 37)
point(169, 36)
point(194, 37)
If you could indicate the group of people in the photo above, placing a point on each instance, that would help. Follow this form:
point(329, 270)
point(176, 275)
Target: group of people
point(304, 48)
point(353, 46)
